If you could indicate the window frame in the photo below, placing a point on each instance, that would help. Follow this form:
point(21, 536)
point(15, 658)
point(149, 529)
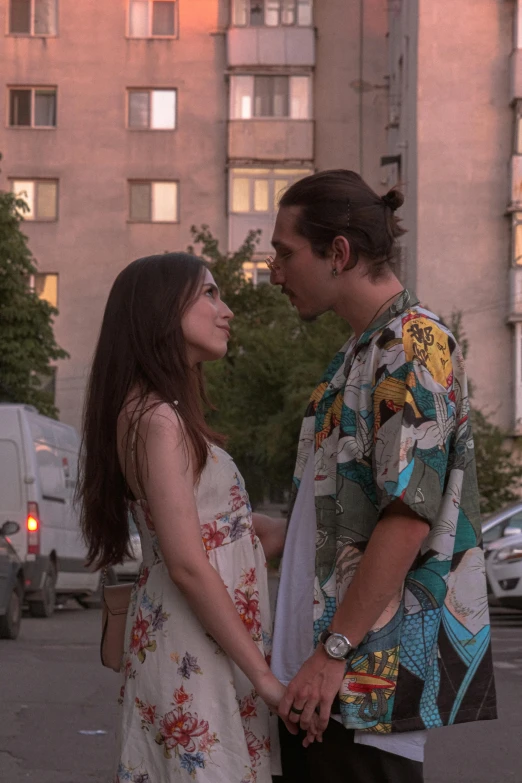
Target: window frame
point(33, 90)
point(32, 285)
point(272, 174)
point(36, 181)
point(150, 36)
point(236, 13)
point(31, 33)
point(270, 118)
point(150, 90)
point(150, 182)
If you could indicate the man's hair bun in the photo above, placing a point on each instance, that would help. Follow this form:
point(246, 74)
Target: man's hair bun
point(393, 199)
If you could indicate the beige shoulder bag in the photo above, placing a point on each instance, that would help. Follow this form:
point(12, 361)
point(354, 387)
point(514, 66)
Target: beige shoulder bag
point(115, 604)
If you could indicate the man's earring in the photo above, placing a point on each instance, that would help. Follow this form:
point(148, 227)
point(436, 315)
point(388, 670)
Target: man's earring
point(334, 272)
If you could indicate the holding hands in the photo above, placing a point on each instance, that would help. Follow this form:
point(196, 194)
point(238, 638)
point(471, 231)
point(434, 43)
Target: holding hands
point(308, 700)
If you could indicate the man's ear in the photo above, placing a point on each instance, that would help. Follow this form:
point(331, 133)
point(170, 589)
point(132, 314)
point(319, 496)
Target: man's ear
point(341, 256)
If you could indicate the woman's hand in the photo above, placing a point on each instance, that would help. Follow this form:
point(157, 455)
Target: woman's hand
point(309, 697)
point(270, 690)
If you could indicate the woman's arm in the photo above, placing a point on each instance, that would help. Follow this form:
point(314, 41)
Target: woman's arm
point(168, 481)
point(271, 532)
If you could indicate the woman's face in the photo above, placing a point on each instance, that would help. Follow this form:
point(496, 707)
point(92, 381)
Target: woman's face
point(206, 324)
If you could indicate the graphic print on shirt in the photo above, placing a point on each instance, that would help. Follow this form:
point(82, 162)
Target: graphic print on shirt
point(402, 430)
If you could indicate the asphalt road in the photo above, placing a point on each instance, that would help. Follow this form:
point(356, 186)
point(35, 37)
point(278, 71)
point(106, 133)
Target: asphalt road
point(52, 687)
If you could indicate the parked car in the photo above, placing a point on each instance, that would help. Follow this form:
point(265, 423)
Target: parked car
point(504, 570)
point(506, 522)
point(502, 535)
point(11, 584)
point(38, 473)
point(128, 570)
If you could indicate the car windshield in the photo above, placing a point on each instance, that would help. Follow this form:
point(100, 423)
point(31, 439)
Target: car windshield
point(497, 531)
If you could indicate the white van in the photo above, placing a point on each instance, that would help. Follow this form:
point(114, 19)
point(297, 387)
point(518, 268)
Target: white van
point(38, 473)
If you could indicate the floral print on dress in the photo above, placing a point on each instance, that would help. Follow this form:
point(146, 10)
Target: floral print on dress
point(127, 774)
point(146, 626)
point(246, 600)
point(188, 713)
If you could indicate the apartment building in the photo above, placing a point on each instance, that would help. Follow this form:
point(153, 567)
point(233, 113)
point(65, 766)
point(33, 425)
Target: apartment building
point(455, 142)
point(125, 123)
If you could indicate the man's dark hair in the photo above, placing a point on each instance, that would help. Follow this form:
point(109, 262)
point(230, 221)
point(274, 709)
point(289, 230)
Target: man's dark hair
point(340, 203)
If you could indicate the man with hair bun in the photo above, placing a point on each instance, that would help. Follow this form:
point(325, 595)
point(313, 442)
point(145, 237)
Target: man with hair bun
point(382, 626)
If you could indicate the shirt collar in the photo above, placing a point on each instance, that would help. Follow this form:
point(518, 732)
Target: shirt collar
point(405, 300)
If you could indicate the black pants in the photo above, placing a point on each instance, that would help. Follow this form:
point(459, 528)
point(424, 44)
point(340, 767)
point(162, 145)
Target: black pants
point(338, 759)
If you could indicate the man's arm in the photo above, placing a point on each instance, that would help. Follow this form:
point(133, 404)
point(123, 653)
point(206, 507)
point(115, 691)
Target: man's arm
point(271, 532)
point(389, 555)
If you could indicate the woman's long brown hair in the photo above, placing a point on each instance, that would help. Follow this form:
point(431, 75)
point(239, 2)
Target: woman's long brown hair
point(141, 347)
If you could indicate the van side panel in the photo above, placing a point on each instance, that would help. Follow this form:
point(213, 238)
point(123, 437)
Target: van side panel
point(13, 504)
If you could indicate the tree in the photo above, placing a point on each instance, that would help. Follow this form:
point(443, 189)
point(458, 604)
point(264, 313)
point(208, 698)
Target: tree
point(274, 360)
point(499, 471)
point(27, 344)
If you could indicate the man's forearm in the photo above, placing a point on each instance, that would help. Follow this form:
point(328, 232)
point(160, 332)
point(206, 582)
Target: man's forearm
point(389, 555)
point(271, 532)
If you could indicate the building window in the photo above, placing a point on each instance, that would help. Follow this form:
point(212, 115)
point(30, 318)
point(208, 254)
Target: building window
point(33, 17)
point(272, 13)
point(40, 195)
point(254, 191)
point(152, 109)
point(152, 18)
point(270, 96)
point(45, 286)
point(153, 202)
point(257, 272)
point(32, 107)
point(516, 252)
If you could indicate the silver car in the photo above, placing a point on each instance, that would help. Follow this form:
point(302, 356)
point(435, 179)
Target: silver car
point(502, 535)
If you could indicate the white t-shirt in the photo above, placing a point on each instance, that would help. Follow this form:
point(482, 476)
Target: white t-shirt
point(293, 625)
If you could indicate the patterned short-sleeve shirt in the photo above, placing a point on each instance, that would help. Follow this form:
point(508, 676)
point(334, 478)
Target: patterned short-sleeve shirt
point(389, 420)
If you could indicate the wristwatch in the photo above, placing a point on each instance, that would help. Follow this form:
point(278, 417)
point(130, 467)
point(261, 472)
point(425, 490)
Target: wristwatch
point(335, 645)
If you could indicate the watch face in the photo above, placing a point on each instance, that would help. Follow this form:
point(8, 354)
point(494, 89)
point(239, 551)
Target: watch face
point(337, 646)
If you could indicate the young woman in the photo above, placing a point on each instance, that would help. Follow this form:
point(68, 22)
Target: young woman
point(197, 691)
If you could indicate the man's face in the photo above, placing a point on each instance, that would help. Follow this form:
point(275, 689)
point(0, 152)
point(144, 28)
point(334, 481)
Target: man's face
point(303, 276)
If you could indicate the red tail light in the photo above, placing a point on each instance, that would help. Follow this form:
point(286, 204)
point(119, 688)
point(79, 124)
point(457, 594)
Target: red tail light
point(33, 529)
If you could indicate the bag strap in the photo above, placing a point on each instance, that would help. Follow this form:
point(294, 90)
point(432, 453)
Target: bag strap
point(134, 458)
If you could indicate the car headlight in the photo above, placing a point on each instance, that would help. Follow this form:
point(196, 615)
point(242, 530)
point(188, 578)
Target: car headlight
point(509, 554)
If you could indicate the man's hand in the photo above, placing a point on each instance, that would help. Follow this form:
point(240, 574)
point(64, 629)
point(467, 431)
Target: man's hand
point(313, 690)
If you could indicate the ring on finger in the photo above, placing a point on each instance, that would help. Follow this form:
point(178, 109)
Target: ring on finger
point(296, 711)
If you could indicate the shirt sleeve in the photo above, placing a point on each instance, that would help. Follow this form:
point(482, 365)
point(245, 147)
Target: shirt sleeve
point(414, 417)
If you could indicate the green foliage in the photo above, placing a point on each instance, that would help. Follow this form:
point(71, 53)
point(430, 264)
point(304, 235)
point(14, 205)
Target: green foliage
point(499, 471)
point(274, 360)
point(27, 343)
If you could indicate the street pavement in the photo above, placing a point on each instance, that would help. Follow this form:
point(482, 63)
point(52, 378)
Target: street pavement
point(52, 687)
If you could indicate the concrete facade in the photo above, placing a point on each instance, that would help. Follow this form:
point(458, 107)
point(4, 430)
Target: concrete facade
point(451, 129)
point(94, 156)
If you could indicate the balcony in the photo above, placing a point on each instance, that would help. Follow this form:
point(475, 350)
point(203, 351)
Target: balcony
point(277, 46)
point(271, 140)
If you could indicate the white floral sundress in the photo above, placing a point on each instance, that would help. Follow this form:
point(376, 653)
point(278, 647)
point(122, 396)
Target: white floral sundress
point(188, 712)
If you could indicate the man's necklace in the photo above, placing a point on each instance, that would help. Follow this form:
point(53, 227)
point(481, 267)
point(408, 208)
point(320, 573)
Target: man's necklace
point(372, 319)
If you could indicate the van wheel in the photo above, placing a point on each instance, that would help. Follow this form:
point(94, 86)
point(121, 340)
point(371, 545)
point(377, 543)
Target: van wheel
point(10, 622)
point(45, 607)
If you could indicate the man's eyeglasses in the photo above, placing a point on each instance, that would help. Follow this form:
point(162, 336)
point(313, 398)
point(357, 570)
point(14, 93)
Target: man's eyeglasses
point(275, 266)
